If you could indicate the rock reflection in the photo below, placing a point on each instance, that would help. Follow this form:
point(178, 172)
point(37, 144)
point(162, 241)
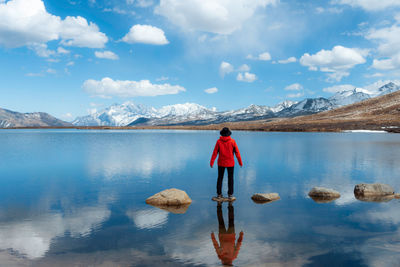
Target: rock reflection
point(227, 250)
point(173, 209)
point(321, 200)
point(377, 199)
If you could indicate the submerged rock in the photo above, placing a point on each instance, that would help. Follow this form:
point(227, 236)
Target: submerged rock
point(169, 197)
point(322, 192)
point(373, 190)
point(264, 198)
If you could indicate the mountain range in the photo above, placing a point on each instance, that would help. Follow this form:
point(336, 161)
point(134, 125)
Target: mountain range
point(10, 119)
point(131, 114)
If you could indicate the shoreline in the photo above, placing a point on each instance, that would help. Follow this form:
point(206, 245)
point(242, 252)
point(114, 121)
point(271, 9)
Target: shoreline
point(232, 126)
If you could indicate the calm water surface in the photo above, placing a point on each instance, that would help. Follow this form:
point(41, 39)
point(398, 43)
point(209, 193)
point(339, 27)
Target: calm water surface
point(76, 198)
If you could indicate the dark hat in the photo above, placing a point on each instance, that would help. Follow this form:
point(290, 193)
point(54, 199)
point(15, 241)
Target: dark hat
point(225, 132)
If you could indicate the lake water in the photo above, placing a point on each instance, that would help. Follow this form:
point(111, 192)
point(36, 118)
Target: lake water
point(77, 198)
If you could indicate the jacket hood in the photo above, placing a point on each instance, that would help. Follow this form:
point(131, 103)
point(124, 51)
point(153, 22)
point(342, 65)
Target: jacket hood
point(225, 138)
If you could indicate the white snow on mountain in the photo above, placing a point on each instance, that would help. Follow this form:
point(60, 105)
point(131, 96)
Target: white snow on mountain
point(116, 115)
point(348, 97)
point(191, 113)
point(187, 109)
point(281, 106)
point(376, 87)
point(309, 105)
point(389, 88)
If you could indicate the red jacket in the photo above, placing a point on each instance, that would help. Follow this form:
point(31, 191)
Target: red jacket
point(226, 147)
point(227, 251)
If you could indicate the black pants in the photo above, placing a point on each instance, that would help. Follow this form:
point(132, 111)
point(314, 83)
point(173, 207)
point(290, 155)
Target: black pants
point(231, 219)
point(221, 171)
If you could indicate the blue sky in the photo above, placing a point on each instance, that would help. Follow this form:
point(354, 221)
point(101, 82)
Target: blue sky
point(70, 57)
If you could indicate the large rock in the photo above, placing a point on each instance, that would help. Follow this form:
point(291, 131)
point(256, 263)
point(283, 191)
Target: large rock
point(323, 195)
point(264, 198)
point(169, 197)
point(323, 192)
point(373, 190)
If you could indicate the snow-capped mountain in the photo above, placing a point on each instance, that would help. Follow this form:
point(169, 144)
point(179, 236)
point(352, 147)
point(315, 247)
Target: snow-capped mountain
point(130, 114)
point(348, 97)
point(306, 107)
point(388, 88)
point(116, 115)
point(188, 109)
point(281, 106)
point(343, 98)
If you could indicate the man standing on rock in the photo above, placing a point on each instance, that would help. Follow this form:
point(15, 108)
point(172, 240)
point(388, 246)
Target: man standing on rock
point(225, 147)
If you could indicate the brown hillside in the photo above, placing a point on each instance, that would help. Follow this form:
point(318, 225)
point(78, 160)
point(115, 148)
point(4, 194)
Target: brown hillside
point(375, 113)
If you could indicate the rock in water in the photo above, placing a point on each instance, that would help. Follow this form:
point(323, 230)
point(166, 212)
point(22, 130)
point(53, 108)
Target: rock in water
point(264, 198)
point(323, 195)
point(323, 192)
point(169, 197)
point(373, 190)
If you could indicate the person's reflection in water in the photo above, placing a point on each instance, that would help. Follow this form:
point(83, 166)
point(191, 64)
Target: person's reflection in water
point(227, 250)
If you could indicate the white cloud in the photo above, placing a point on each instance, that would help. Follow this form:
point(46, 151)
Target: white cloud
point(337, 62)
point(71, 63)
point(145, 34)
point(244, 67)
point(286, 61)
point(33, 237)
point(387, 64)
point(76, 31)
point(334, 10)
point(263, 56)
point(26, 22)
point(41, 50)
point(51, 71)
point(388, 48)
point(107, 87)
point(370, 5)
point(294, 87)
point(140, 3)
point(246, 77)
point(216, 16)
point(106, 55)
point(225, 68)
point(212, 90)
point(61, 50)
point(120, 11)
point(374, 75)
point(339, 88)
point(300, 94)
point(148, 219)
point(162, 78)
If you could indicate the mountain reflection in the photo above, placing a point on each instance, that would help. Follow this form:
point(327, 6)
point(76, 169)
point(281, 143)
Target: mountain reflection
point(226, 249)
